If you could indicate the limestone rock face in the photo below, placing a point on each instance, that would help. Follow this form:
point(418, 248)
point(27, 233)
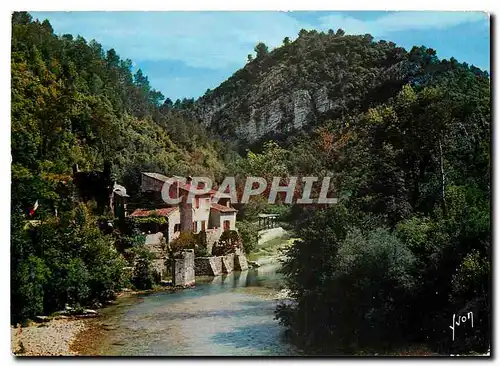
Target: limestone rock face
point(315, 78)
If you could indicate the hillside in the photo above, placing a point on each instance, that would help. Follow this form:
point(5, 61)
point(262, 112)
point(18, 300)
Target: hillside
point(74, 102)
point(317, 77)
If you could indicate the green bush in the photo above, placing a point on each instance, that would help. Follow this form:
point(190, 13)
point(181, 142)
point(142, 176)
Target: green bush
point(228, 242)
point(143, 277)
point(65, 260)
point(249, 235)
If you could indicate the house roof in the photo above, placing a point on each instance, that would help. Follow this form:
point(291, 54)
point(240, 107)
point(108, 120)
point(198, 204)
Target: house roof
point(167, 211)
point(222, 208)
point(185, 186)
point(156, 176)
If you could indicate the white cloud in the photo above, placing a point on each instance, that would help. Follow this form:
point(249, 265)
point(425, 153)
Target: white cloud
point(401, 21)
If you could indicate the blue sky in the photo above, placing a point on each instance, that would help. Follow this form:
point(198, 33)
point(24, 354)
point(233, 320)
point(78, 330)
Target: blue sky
point(184, 53)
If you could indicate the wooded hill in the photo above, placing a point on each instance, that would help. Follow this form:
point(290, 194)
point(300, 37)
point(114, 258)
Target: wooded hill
point(318, 76)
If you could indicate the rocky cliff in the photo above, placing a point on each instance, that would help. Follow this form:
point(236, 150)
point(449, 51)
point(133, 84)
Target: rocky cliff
point(318, 76)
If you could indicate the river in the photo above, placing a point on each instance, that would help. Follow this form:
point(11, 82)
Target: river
point(229, 315)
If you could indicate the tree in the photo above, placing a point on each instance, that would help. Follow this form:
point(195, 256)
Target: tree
point(286, 41)
point(340, 32)
point(249, 235)
point(261, 50)
point(143, 276)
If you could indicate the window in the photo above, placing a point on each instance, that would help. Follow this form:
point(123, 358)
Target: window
point(203, 225)
point(227, 225)
point(177, 227)
point(197, 202)
point(194, 226)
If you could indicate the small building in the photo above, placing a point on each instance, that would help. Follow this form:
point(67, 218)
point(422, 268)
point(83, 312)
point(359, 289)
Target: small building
point(267, 221)
point(200, 214)
point(119, 201)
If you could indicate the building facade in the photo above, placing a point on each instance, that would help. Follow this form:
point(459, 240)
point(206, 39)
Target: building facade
point(194, 215)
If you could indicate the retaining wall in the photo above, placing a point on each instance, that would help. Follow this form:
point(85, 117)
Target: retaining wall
point(208, 266)
point(240, 262)
point(228, 263)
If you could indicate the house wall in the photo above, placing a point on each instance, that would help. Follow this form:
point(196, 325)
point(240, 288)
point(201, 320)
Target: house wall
point(202, 213)
point(231, 216)
point(151, 184)
point(214, 219)
point(173, 219)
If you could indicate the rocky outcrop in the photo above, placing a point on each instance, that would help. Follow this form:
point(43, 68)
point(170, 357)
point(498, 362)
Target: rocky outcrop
point(315, 78)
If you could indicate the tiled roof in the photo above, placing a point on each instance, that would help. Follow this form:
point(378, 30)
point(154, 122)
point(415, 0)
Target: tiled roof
point(160, 211)
point(222, 208)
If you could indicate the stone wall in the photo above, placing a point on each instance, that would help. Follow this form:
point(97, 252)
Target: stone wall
point(155, 244)
point(212, 236)
point(183, 268)
point(228, 263)
point(208, 266)
point(240, 262)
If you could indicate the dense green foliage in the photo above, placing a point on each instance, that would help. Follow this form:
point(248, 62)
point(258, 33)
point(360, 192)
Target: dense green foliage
point(249, 235)
point(409, 245)
point(64, 260)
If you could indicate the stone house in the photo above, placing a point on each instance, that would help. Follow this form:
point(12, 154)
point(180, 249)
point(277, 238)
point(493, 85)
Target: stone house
point(200, 214)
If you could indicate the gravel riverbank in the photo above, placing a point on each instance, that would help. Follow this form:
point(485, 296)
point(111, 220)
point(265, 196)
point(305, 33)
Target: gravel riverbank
point(52, 338)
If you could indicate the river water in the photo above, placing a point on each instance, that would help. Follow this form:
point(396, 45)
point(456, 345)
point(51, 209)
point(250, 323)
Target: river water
point(230, 315)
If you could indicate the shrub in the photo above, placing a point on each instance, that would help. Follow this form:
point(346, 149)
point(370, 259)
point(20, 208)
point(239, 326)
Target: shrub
point(143, 275)
point(349, 286)
point(198, 242)
point(249, 235)
point(228, 242)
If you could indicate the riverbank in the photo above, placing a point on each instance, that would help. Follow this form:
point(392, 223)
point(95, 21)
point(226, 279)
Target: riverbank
point(53, 338)
point(71, 336)
point(66, 335)
point(271, 250)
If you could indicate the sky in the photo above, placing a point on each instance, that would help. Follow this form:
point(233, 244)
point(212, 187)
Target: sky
point(185, 53)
